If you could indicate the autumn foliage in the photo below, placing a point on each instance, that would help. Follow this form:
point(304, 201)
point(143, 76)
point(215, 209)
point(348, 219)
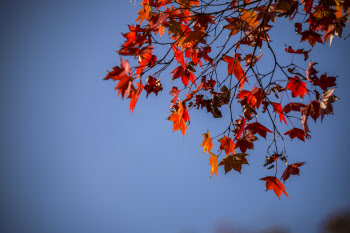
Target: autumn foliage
point(213, 54)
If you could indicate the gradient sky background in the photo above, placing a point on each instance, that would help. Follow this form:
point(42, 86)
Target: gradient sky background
point(73, 159)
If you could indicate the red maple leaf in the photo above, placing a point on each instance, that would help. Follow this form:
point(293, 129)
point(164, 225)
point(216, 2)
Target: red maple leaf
point(134, 95)
point(157, 21)
point(239, 126)
point(249, 98)
point(256, 127)
point(177, 72)
point(278, 108)
point(234, 66)
point(293, 107)
point(311, 36)
point(276, 185)
point(153, 85)
point(179, 56)
point(207, 85)
point(119, 73)
point(295, 132)
point(246, 141)
point(298, 51)
point(297, 87)
point(324, 82)
point(203, 20)
point(124, 86)
point(134, 38)
point(312, 109)
point(292, 169)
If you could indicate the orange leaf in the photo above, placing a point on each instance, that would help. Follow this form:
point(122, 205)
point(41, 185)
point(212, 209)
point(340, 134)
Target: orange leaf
point(207, 143)
point(144, 13)
point(213, 161)
point(250, 18)
point(250, 98)
point(227, 144)
point(177, 117)
point(276, 185)
point(234, 66)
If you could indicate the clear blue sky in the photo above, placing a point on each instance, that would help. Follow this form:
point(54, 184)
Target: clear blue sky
point(73, 159)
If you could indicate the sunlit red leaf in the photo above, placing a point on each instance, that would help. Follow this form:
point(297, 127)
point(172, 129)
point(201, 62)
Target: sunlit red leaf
point(239, 126)
point(179, 56)
point(134, 95)
point(248, 96)
point(177, 72)
point(297, 87)
point(234, 67)
point(272, 183)
point(119, 73)
point(278, 108)
point(124, 86)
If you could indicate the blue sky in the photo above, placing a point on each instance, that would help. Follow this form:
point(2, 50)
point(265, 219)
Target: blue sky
point(73, 159)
